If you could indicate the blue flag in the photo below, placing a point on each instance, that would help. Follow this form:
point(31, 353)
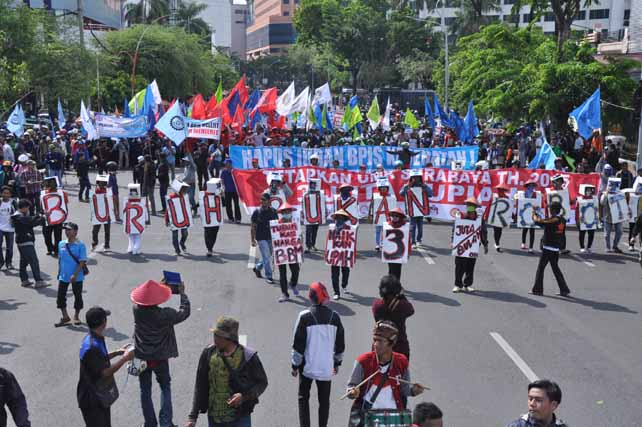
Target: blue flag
point(126, 112)
point(61, 116)
point(458, 125)
point(441, 114)
point(588, 116)
point(545, 156)
point(173, 124)
point(470, 121)
point(430, 119)
point(249, 106)
point(149, 107)
point(16, 121)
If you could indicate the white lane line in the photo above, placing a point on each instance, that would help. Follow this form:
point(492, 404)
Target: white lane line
point(251, 257)
point(582, 260)
point(526, 370)
point(424, 253)
point(243, 340)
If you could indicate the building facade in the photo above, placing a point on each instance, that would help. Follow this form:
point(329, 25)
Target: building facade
point(270, 30)
point(106, 13)
point(227, 20)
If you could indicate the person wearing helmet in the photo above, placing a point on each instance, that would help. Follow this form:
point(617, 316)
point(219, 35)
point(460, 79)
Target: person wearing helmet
point(317, 352)
point(395, 307)
point(405, 155)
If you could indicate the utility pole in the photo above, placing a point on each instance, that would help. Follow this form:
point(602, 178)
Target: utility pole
point(446, 65)
point(638, 158)
point(173, 7)
point(81, 26)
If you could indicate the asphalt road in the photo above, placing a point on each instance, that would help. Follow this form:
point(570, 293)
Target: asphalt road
point(476, 351)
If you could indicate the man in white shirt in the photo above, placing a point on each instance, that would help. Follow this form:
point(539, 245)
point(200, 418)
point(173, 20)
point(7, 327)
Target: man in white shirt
point(579, 143)
point(7, 151)
point(259, 138)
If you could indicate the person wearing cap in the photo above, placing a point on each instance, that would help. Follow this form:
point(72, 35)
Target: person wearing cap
point(55, 161)
point(501, 193)
point(588, 194)
point(231, 193)
point(30, 179)
point(554, 229)
point(613, 188)
point(416, 222)
point(465, 265)
point(404, 155)
point(383, 366)
point(23, 224)
point(285, 213)
point(314, 159)
point(8, 206)
point(97, 371)
point(71, 271)
point(227, 402)
point(529, 193)
point(8, 177)
point(395, 307)
point(101, 188)
point(155, 343)
point(55, 230)
point(277, 189)
point(260, 234)
point(317, 352)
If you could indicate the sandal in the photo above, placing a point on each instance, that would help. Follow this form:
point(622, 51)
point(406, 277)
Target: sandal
point(65, 321)
point(77, 322)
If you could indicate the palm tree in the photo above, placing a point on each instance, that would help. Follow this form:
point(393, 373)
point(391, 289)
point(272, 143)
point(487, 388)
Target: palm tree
point(472, 15)
point(188, 17)
point(146, 11)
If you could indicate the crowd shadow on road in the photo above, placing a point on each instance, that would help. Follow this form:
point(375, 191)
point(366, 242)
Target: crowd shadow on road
point(359, 299)
point(7, 347)
point(235, 257)
point(507, 297)
point(10, 305)
point(49, 291)
point(115, 335)
point(609, 258)
point(343, 310)
point(595, 305)
point(141, 258)
point(520, 252)
point(430, 297)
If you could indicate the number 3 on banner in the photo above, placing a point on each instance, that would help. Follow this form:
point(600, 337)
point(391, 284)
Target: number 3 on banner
point(396, 236)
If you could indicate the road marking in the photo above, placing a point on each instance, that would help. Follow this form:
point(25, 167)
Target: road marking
point(424, 253)
point(526, 370)
point(251, 257)
point(243, 340)
point(582, 260)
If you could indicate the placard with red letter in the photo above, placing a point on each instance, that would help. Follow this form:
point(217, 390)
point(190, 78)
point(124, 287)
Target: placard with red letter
point(313, 205)
point(466, 237)
point(349, 205)
point(417, 203)
point(395, 245)
point(380, 208)
point(178, 212)
point(210, 209)
point(341, 246)
point(286, 242)
point(55, 205)
point(102, 208)
point(135, 215)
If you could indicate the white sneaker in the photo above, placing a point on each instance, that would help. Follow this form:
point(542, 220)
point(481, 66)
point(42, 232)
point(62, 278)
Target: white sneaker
point(582, 250)
point(631, 248)
point(609, 251)
point(336, 297)
point(456, 290)
point(347, 292)
point(523, 245)
point(284, 298)
point(470, 289)
point(530, 250)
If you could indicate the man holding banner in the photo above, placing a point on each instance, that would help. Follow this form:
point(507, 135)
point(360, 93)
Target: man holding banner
point(469, 232)
point(341, 250)
point(587, 217)
point(416, 194)
point(396, 242)
point(54, 203)
point(287, 249)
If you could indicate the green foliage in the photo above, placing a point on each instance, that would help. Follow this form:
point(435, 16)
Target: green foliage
point(514, 75)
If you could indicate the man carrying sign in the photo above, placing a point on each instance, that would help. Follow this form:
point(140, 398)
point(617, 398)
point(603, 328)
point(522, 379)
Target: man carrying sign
point(396, 242)
point(614, 211)
point(135, 217)
point(211, 211)
point(346, 201)
point(341, 250)
point(287, 249)
point(54, 202)
point(469, 231)
point(416, 194)
point(500, 213)
point(586, 215)
point(382, 203)
point(313, 203)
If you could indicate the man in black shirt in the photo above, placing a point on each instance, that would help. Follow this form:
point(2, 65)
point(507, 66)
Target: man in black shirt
point(554, 234)
point(12, 397)
point(163, 180)
point(96, 370)
point(260, 232)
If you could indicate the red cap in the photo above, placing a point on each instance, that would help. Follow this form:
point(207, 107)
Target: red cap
point(345, 186)
point(150, 293)
point(396, 211)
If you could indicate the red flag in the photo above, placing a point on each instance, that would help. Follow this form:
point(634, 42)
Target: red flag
point(237, 121)
point(267, 102)
point(210, 107)
point(241, 90)
point(198, 108)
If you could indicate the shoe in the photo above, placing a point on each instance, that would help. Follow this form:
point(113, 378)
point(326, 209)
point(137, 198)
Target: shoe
point(609, 251)
point(295, 291)
point(347, 292)
point(314, 248)
point(336, 297)
point(539, 294)
point(41, 284)
point(415, 245)
point(257, 272)
point(589, 251)
point(631, 248)
point(457, 290)
point(65, 321)
point(10, 266)
point(93, 247)
point(209, 254)
point(523, 245)
point(238, 221)
point(49, 253)
point(306, 251)
point(470, 289)
point(178, 253)
point(76, 322)
point(582, 250)
point(269, 280)
point(377, 248)
point(183, 246)
point(565, 252)
point(419, 243)
point(106, 247)
point(617, 250)
point(284, 298)
point(26, 284)
point(55, 254)
point(564, 294)
point(530, 250)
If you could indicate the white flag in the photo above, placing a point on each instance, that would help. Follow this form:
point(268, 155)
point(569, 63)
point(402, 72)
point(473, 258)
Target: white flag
point(285, 100)
point(16, 121)
point(301, 102)
point(157, 96)
point(322, 95)
point(385, 122)
point(87, 124)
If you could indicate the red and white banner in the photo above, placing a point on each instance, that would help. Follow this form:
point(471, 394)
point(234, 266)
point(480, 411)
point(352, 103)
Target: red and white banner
point(55, 205)
point(286, 242)
point(102, 208)
point(341, 246)
point(450, 187)
point(210, 208)
point(135, 215)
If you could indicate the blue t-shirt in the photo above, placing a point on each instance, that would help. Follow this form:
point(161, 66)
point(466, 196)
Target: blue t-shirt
point(67, 264)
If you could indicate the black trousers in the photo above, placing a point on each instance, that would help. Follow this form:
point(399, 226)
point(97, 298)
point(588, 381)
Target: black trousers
point(96, 416)
point(94, 234)
point(61, 299)
point(210, 237)
point(56, 231)
point(85, 186)
point(202, 177)
point(184, 235)
point(551, 257)
point(229, 199)
point(162, 189)
point(531, 240)
point(464, 271)
point(323, 393)
point(497, 234)
point(311, 235)
point(345, 275)
point(591, 235)
point(283, 276)
point(394, 270)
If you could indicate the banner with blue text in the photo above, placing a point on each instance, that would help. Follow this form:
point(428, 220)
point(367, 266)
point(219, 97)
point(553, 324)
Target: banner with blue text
point(109, 126)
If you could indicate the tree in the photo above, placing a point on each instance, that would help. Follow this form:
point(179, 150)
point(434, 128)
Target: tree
point(146, 11)
point(188, 13)
point(472, 15)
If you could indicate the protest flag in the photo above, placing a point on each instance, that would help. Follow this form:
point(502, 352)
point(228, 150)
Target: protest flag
point(470, 122)
point(588, 116)
point(173, 124)
point(410, 119)
point(219, 92)
point(16, 121)
point(385, 122)
point(545, 156)
point(430, 119)
point(198, 108)
point(373, 114)
point(61, 116)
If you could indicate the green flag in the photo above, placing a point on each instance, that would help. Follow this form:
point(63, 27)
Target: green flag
point(570, 161)
point(347, 115)
point(137, 101)
point(355, 134)
point(311, 119)
point(410, 119)
point(373, 114)
point(324, 115)
point(356, 116)
point(219, 92)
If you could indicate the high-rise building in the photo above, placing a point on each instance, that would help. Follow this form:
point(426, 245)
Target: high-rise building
point(270, 29)
point(227, 20)
point(98, 13)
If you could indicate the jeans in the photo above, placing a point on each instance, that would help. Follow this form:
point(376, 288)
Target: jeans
point(283, 277)
point(417, 224)
point(323, 392)
point(47, 232)
point(229, 199)
point(61, 299)
point(210, 237)
point(8, 238)
point(29, 257)
point(546, 257)
point(378, 231)
point(161, 369)
point(184, 235)
point(245, 421)
point(191, 193)
point(94, 234)
point(311, 235)
point(265, 247)
point(617, 229)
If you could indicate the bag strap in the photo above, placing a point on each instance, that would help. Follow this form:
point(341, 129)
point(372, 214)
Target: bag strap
point(75, 258)
point(229, 367)
point(373, 399)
